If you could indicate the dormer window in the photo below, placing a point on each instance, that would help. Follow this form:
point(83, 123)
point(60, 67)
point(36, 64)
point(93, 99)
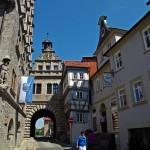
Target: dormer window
point(108, 46)
point(101, 56)
point(40, 67)
point(103, 32)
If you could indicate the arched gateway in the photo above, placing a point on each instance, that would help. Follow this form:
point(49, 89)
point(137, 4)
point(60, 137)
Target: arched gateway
point(47, 93)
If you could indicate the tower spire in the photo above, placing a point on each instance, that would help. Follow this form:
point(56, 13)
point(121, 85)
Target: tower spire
point(47, 35)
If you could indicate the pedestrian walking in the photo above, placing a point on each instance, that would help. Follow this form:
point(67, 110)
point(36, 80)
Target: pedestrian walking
point(103, 123)
point(90, 140)
point(81, 141)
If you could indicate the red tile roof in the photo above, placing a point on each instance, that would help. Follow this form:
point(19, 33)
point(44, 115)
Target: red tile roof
point(87, 62)
point(72, 63)
point(46, 118)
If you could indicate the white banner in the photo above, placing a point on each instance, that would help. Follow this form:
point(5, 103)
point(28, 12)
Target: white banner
point(26, 89)
point(107, 79)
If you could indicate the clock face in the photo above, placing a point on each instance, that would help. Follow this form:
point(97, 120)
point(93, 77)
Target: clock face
point(103, 32)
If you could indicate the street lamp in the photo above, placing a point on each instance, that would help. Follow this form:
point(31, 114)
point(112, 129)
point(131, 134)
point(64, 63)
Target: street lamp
point(148, 3)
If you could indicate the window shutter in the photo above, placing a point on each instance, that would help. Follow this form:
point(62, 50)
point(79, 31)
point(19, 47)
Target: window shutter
point(85, 117)
point(74, 117)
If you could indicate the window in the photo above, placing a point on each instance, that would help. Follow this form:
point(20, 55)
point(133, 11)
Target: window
point(108, 46)
point(138, 91)
point(79, 95)
point(101, 56)
point(146, 37)
point(47, 68)
point(118, 61)
point(80, 117)
point(38, 88)
point(122, 97)
point(55, 68)
point(113, 102)
point(81, 75)
point(74, 75)
point(55, 88)
point(13, 83)
point(92, 89)
point(34, 88)
point(98, 84)
point(40, 68)
point(49, 88)
point(94, 110)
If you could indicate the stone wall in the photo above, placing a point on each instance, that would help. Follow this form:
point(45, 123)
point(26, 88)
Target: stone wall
point(10, 112)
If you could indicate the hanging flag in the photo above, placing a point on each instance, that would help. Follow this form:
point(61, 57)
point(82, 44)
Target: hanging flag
point(26, 89)
point(107, 79)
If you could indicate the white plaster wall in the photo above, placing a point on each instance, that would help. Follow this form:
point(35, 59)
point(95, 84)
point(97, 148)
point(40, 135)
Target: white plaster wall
point(135, 63)
point(76, 129)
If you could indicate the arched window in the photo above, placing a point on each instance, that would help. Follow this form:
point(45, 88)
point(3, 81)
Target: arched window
point(49, 88)
point(38, 88)
point(55, 88)
point(34, 88)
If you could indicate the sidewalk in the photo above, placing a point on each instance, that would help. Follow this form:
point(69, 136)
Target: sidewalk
point(31, 144)
point(68, 146)
point(27, 144)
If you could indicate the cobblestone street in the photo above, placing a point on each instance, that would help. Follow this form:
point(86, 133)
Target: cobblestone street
point(31, 144)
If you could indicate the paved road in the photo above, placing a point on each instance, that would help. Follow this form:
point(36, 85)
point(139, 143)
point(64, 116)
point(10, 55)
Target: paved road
point(50, 146)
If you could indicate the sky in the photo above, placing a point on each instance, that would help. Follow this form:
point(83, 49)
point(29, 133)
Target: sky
point(73, 24)
point(39, 123)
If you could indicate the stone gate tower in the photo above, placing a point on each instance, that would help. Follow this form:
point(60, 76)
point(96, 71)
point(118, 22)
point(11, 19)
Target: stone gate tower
point(47, 93)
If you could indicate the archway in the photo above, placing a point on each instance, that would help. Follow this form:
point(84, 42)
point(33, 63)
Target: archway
point(39, 114)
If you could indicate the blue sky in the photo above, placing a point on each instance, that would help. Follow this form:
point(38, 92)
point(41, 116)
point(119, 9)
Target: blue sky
point(39, 123)
point(73, 24)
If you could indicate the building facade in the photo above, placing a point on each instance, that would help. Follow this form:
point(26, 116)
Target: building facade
point(104, 108)
point(76, 89)
point(47, 93)
point(15, 59)
point(129, 60)
point(48, 127)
